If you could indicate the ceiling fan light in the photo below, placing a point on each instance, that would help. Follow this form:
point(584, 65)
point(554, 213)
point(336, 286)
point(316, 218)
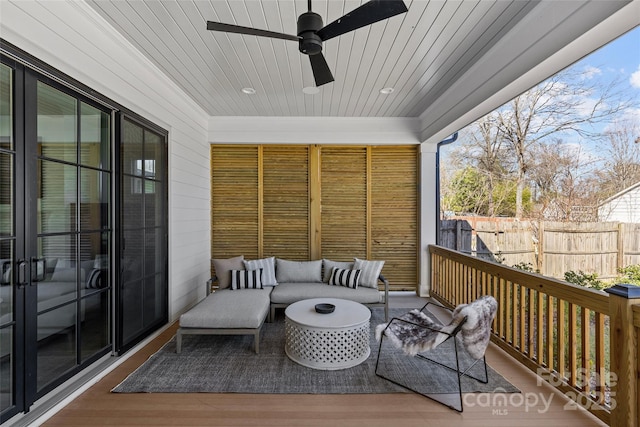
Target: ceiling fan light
point(387, 90)
point(248, 90)
point(310, 90)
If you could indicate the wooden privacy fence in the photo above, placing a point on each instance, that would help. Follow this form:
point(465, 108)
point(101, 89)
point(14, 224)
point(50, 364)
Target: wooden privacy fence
point(552, 248)
point(583, 342)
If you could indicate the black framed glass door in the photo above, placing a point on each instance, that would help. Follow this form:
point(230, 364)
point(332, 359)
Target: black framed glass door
point(56, 236)
point(143, 252)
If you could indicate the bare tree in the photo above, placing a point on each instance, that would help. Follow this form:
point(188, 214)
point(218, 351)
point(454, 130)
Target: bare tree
point(622, 165)
point(567, 102)
point(560, 172)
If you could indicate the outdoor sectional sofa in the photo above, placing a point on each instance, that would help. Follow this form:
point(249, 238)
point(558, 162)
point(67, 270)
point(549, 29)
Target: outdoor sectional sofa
point(249, 292)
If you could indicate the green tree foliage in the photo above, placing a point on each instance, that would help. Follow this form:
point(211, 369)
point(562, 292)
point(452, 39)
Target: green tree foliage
point(469, 194)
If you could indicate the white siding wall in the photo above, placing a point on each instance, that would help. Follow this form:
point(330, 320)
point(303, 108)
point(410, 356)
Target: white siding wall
point(624, 208)
point(71, 37)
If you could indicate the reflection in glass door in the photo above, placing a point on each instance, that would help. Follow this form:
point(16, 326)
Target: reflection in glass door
point(70, 251)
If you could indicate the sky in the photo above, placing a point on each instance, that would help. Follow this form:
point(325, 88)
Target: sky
point(621, 56)
point(619, 59)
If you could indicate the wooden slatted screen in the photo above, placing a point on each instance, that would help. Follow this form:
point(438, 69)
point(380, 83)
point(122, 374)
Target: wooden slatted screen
point(286, 201)
point(264, 202)
point(234, 201)
point(343, 180)
point(394, 213)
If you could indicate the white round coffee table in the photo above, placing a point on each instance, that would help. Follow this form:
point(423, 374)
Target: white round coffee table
point(336, 340)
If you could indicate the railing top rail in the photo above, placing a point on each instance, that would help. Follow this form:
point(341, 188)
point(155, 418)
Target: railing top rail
point(588, 298)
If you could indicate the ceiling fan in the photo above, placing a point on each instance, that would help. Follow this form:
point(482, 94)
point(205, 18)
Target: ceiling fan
point(311, 33)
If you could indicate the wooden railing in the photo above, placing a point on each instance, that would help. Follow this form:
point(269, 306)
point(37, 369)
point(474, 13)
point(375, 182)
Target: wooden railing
point(582, 341)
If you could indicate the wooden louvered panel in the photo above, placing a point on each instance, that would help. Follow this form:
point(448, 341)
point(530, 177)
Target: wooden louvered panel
point(394, 213)
point(344, 202)
point(234, 201)
point(286, 202)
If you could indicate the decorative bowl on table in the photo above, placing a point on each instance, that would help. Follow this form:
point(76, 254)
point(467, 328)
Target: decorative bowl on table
point(325, 308)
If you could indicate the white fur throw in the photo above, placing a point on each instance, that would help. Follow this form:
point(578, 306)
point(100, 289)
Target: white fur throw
point(475, 332)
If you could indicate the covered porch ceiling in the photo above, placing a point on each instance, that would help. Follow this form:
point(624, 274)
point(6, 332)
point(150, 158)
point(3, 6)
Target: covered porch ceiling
point(448, 62)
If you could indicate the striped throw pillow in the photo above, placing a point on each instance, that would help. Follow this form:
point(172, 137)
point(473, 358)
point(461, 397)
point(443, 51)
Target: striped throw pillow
point(344, 277)
point(246, 279)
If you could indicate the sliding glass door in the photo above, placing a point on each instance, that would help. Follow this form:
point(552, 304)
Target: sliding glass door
point(142, 296)
point(83, 230)
point(55, 235)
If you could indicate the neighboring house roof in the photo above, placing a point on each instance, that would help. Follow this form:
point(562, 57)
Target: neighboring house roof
point(621, 193)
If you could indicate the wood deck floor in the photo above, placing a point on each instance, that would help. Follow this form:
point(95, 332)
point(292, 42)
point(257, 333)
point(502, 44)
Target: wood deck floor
point(98, 407)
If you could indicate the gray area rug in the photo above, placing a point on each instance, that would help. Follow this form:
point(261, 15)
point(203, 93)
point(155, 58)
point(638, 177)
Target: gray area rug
point(227, 364)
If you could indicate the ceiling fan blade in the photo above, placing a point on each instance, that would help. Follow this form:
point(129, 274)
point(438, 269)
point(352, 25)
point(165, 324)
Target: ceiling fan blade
point(367, 14)
point(229, 28)
point(321, 72)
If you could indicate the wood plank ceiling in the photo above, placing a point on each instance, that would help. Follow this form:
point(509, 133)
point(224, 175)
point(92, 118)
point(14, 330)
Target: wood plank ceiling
point(420, 54)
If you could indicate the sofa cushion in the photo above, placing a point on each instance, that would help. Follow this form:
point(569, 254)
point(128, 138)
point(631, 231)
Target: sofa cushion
point(244, 308)
point(298, 271)
point(269, 269)
point(370, 272)
point(344, 277)
point(287, 293)
point(328, 267)
point(246, 279)
point(223, 269)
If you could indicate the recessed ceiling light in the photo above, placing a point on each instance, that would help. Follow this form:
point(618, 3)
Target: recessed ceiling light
point(248, 90)
point(310, 90)
point(386, 90)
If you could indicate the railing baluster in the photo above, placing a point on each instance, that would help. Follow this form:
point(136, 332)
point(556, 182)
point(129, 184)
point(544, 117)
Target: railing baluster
point(531, 330)
point(601, 369)
point(572, 350)
point(585, 316)
point(550, 340)
point(540, 328)
point(561, 339)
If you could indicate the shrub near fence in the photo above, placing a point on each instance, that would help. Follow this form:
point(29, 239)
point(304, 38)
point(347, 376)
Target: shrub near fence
point(552, 248)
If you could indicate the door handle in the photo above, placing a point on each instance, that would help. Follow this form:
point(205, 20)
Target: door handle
point(22, 279)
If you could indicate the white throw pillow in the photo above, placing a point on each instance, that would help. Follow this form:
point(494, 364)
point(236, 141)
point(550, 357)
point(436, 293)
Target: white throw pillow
point(370, 272)
point(268, 266)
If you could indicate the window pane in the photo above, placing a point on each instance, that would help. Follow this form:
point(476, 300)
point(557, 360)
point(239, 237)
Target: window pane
point(57, 124)
point(94, 199)
point(6, 367)
point(132, 255)
point(56, 343)
point(95, 127)
point(94, 324)
point(154, 206)
point(132, 202)
point(6, 107)
point(131, 149)
point(60, 284)
point(57, 194)
point(95, 264)
point(6, 194)
point(153, 150)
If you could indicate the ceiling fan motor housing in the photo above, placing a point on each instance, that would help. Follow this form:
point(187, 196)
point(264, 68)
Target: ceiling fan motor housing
point(308, 24)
